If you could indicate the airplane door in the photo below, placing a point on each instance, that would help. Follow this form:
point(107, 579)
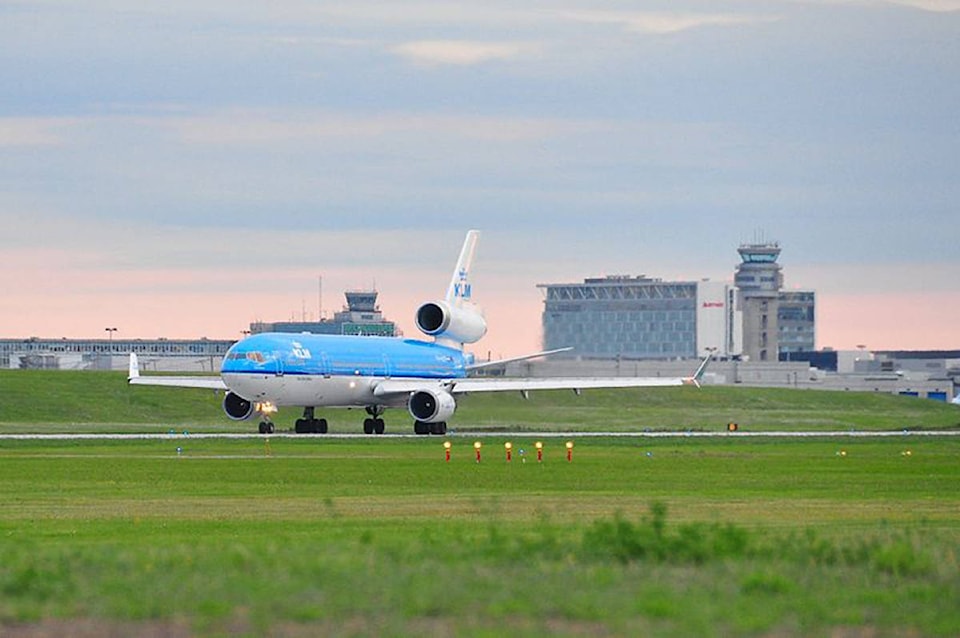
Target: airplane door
point(324, 364)
point(386, 366)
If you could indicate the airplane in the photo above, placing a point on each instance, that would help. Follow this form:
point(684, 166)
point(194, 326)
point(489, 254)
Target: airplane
point(263, 372)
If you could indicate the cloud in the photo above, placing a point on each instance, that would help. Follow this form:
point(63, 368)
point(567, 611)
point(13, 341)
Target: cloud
point(933, 6)
point(33, 131)
point(276, 126)
point(663, 23)
point(936, 6)
point(461, 52)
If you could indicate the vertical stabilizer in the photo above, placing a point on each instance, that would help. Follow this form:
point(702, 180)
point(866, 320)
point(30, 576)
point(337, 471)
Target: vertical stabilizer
point(455, 320)
point(461, 289)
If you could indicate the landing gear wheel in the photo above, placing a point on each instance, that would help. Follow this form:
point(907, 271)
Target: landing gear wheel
point(422, 427)
point(309, 424)
point(266, 427)
point(438, 428)
point(368, 426)
point(379, 426)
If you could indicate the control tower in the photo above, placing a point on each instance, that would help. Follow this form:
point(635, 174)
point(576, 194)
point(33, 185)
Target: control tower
point(361, 316)
point(759, 279)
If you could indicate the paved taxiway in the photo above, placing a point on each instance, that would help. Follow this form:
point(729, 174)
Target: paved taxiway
point(525, 435)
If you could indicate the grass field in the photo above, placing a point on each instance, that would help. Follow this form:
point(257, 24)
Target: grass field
point(57, 401)
point(304, 536)
point(294, 536)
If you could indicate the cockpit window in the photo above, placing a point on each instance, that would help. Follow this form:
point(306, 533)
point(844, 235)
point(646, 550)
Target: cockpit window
point(252, 356)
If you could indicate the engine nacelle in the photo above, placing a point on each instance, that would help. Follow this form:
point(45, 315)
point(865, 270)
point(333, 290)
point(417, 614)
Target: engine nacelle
point(443, 321)
point(431, 406)
point(236, 407)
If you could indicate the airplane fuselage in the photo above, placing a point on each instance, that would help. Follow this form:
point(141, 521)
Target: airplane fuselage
point(333, 370)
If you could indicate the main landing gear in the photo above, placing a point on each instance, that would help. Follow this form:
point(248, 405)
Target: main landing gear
point(309, 424)
point(421, 427)
point(374, 425)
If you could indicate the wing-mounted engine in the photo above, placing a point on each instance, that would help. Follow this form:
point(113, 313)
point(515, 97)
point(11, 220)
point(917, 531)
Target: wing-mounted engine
point(449, 323)
point(236, 407)
point(431, 406)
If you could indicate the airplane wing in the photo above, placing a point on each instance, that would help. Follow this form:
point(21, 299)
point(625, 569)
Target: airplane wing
point(208, 382)
point(524, 385)
point(518, 384)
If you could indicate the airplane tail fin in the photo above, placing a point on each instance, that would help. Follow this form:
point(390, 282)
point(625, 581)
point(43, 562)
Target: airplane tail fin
point(455, 320)
point(460, 289)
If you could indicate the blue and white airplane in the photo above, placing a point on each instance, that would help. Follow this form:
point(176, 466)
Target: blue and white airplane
point(266, 371)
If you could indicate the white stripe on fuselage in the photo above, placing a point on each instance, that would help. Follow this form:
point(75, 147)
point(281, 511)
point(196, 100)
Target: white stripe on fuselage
point(310, 390)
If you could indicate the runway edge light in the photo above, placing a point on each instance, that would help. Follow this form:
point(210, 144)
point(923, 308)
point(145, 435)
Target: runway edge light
point(508, 448)
point(476, 446)
point(569, 451)
point(446, 448)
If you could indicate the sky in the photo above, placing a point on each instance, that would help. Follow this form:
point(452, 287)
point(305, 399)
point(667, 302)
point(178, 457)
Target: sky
point(181, 169)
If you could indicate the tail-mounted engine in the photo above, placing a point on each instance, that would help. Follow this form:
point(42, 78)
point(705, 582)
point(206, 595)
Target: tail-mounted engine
point(431, 406)
point(236, 407)
point(459, 324)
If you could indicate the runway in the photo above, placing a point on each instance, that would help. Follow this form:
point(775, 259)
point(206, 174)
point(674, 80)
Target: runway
point(455, 435)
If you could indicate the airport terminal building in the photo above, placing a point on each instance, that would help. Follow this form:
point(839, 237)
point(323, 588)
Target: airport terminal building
point(202, 355)
point(360, 316)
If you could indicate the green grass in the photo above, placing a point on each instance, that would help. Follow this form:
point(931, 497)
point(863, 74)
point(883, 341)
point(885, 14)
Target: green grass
point(676, 537)
point(663, 537)
point(63, 401)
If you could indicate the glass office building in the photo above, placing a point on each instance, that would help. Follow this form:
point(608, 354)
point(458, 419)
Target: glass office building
point(638, 318)
point(796, 319)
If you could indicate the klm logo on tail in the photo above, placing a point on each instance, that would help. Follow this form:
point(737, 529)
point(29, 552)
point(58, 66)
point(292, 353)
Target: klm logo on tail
point(462, 289)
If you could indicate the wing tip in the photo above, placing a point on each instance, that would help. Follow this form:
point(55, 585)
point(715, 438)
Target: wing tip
point(133, 370)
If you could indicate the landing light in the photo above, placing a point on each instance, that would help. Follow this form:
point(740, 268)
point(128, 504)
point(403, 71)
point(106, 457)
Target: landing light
point(266, 407)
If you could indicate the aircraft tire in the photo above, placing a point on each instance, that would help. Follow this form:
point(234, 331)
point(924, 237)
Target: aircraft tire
point(322, 426)
point(368, 426)
point(438, 428)
point(419, 427)
point(379, 426)
point(302, 426)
